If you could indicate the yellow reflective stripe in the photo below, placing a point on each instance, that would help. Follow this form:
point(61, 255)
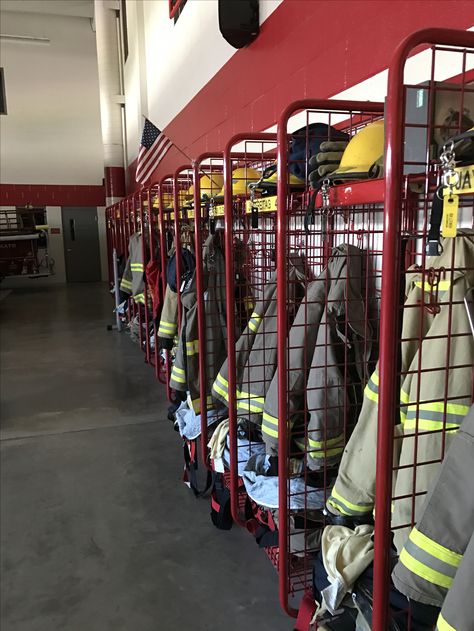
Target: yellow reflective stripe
point(176, 378)
point(248, 407)
point(326, 453)
point(139, 298)
point(339, 508)
point(170, 324)
point(126, 283)
point(441, 285)
point(166, 330)
point(329, 441)
point(441, 406)
point(254, 322)
point(271, 419)
point(443, 625)
point(435, 549)
point(414, 424)
point(192, 348)
point(425, 572)
point(223, 381)
point(178, 370)
point(136, 267)
point(371, 390)
point(248, 395)
point(404, 396)
point(269, 431)
point(434, 416)
point(373, 396)
point(220, 391)
point(358, 508)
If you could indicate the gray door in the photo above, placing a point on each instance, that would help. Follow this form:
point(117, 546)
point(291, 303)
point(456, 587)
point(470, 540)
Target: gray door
point(81, 244)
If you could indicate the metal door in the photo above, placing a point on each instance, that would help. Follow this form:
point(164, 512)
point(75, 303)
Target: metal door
point(81, 244)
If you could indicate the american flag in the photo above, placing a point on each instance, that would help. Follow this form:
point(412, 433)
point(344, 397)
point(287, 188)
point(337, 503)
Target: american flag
point(153, 147)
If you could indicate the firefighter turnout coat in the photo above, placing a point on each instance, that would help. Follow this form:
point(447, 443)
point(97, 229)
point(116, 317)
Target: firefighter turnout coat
point(435, 395)
point(185, 372)
point(329, 349)
point(132, 281)
point(436, 565)
point(256, 348)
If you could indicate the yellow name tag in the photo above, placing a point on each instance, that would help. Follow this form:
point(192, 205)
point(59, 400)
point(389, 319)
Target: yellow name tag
point(450, 216)
point(219, 210)
point(463, 182)
point(263, 204)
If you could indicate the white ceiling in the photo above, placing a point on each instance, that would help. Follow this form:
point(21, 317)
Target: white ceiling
point(79, 8)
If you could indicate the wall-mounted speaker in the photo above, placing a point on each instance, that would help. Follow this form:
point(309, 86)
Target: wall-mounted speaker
point(239, 21)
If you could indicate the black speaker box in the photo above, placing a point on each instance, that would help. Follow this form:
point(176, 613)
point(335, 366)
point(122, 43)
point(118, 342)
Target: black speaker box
point(239, 21)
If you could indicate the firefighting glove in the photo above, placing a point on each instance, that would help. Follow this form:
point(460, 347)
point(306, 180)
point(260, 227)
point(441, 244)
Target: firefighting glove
point(326, 161)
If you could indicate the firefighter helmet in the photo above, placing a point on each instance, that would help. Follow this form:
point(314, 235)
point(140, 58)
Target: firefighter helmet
point(209, 184)
point(241, 178)
point(364, 152)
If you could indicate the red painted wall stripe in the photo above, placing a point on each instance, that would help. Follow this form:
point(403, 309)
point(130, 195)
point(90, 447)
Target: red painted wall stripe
point(51, 195)
point(305, 49)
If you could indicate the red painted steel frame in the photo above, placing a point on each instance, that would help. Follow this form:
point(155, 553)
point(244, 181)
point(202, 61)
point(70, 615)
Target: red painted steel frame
point(388, 397)
point(282, 316)
point(230, 307)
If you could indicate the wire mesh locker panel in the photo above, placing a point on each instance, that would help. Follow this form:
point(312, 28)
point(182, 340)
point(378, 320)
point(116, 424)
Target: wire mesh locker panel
point(425, 370)
point(169, 318)
point(155, 272)
point(210, 325)
point(249, 206)
point(328, 244)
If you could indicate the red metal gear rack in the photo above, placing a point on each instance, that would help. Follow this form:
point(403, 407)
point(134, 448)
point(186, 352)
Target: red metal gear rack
point(351, 218)
point(167, 239)
point(251, 263)
point(211, 165)
point(449, 63)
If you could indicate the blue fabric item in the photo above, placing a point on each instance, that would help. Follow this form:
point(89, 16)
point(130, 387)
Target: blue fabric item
point(245, 449)
point(263, 489)
point(306, 142)
point(188, 265)
point(189, 423)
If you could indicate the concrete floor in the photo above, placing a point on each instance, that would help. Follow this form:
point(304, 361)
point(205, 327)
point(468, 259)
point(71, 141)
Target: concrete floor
point(98, 533)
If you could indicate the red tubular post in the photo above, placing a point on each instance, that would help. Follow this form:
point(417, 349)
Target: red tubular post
point(144, 215)
point(282, 317)
point(389, 306)
point(230, 311)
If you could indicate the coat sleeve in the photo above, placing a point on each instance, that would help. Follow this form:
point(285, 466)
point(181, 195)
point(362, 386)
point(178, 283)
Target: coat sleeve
point(169, 319)
point(302, 339)
point(434, 551)
point(126, 280)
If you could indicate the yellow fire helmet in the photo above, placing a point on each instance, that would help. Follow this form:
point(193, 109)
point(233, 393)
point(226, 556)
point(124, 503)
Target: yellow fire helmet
point(168, 199)
point(241, 178)
point(210, 184)
point(267, 184)
point(363, 156)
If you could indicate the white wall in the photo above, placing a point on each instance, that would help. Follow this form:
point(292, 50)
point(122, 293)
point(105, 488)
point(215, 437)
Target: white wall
point(169, 63)
point(51, 134)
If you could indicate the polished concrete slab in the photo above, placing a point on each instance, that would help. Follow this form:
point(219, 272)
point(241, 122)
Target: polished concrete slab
point(97, 531)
